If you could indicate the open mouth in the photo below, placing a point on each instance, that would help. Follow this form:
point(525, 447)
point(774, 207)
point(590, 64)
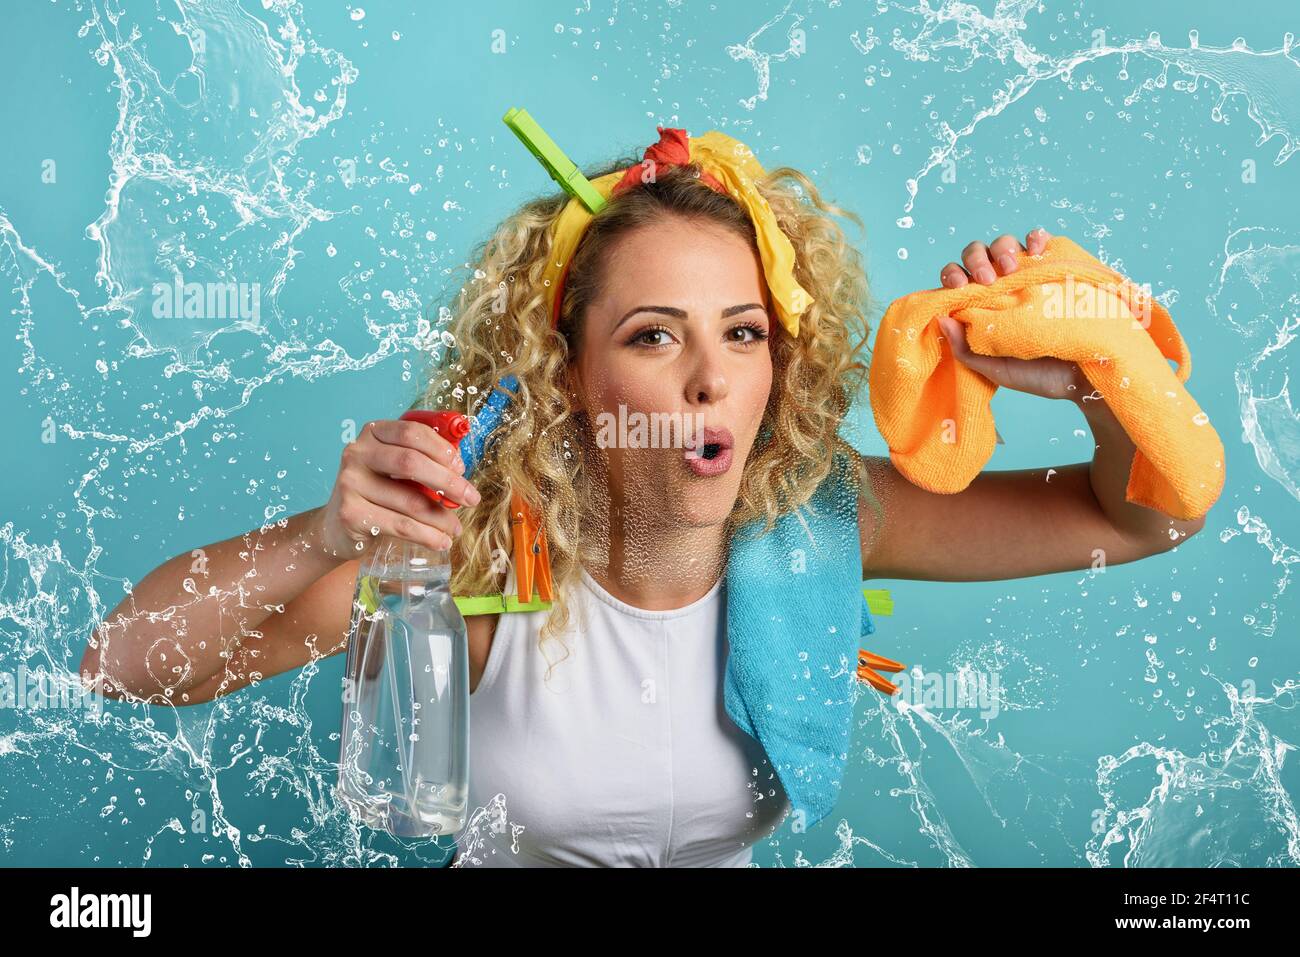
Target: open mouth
point(710, 443)
point(712, 455)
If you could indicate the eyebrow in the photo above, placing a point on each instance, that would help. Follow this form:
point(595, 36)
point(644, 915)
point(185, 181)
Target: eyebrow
point(676, 313)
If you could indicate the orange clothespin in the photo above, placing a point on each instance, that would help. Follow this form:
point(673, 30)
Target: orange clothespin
point(867, 665)
point(532, 557)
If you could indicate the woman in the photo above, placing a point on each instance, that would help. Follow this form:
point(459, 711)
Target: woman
point(601, 721)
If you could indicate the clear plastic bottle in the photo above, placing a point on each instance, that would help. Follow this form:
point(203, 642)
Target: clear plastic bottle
point(404, 761)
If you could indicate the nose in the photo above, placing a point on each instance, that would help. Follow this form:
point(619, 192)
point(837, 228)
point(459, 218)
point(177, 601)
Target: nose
point(706, 383)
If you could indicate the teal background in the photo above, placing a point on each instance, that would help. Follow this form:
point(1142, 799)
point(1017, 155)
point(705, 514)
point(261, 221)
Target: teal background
point(1148, 712)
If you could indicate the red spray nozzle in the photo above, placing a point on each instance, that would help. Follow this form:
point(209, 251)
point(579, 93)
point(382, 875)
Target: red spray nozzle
point(452, 426)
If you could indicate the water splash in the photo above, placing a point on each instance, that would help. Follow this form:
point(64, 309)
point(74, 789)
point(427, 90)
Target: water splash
point(960, 35)
point(215, 179)
point(200, 190)
point(762, 62)
point(1256, 294)
point(1178, 821)
point(1279, 552)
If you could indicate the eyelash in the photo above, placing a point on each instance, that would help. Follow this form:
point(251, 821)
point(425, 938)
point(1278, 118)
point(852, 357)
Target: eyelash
point(759, 334)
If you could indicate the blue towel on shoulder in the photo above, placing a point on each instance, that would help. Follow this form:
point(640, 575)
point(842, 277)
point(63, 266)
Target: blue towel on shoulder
point(795, 615)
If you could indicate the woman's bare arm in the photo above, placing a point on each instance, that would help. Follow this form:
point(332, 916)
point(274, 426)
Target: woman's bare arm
point(269, 600)
point(181, 624)
point(1023, 522)
point(1016, 523)
point(313, 626)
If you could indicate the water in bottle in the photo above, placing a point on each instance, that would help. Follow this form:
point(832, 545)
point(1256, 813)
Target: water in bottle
point(404, 763)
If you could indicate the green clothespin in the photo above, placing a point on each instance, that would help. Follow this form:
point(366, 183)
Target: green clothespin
point(562, 169)
point(469, 605)
point(878, 601)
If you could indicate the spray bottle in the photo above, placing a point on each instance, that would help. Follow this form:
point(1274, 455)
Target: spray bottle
point(404, 764)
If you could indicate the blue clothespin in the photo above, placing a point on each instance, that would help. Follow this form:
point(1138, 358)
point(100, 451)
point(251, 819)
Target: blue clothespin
point(486, 421)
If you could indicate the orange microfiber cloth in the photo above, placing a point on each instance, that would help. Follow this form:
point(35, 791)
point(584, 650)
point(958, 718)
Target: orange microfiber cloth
point(933, 411)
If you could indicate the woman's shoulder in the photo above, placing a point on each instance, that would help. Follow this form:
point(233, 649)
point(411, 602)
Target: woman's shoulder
point(480, 631)
point(484, 632)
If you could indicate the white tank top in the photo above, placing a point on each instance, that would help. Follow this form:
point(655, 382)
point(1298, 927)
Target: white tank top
point(626, 757)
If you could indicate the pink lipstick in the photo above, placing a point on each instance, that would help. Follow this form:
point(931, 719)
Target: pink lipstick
point(713, 457)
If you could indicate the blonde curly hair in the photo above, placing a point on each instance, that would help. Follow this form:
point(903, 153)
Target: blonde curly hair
point(500, 326)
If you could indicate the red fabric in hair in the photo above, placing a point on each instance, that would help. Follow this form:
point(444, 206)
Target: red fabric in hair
point(673, 149)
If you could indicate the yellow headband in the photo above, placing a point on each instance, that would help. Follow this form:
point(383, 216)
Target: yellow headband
point(732, 164)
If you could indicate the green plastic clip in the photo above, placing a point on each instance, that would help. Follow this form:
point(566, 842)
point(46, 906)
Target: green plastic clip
point(878, 601)
point(369, 600)
point(469, 605)
point(562, 169)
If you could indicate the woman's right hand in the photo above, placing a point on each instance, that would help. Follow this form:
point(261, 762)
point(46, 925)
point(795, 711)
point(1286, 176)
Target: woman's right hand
point(371, 496)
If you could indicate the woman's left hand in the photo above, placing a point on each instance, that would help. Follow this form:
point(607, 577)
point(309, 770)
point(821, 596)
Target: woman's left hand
point(1048, 377)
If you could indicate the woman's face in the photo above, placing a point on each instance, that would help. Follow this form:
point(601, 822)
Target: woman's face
point(675, 342)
